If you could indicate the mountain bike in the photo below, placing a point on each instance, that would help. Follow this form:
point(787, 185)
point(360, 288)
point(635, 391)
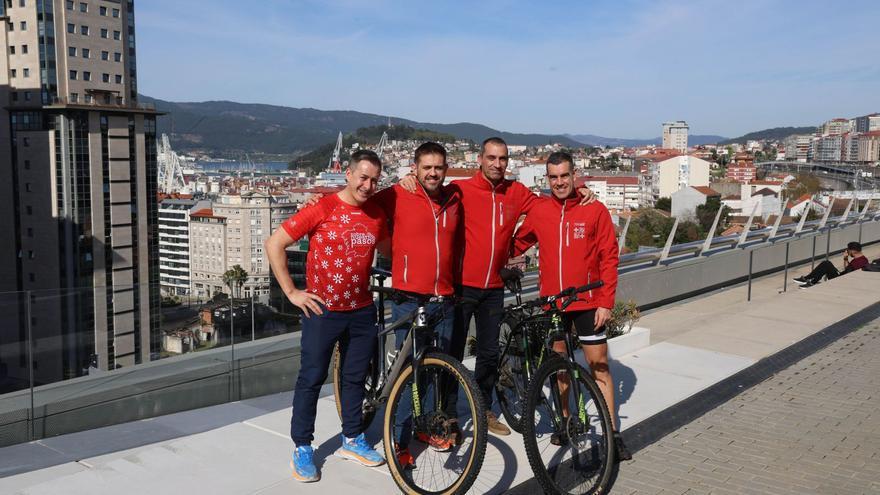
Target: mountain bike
point(567, 427)
point(412, 384)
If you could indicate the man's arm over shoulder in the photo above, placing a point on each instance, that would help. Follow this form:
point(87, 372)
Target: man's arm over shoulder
point(386, 200)
point(606, 239)
point(528, 199)
point(524, 238)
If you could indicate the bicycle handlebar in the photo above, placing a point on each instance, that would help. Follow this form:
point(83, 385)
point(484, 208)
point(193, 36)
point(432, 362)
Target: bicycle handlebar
point(568, 294)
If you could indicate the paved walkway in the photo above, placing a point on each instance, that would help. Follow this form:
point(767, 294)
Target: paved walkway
point(812, 428)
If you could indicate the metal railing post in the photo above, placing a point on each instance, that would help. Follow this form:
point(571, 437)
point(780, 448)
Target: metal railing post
point(708, 243)
point(253, 319)
point(813, 255)
point(668, 246)
point(30, 358)
point(785, 275)
point(621, 243)
point(751, 259)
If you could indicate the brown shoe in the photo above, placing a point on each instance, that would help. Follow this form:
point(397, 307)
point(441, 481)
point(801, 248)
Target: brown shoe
point(495, 426)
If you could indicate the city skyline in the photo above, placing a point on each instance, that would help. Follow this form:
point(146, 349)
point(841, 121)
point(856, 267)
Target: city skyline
point(615, 70)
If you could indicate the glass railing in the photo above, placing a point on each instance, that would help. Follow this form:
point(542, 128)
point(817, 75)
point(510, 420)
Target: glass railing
point(64, 351)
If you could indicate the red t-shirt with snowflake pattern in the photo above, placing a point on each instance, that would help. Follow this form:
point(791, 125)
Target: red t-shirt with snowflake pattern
point(342, 241)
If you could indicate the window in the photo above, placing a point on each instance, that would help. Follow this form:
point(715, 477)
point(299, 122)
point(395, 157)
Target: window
point(27, 142)
point(12, 72)
point(118, 79)
point(105, 78)
point(70, 27)
point(117, 57)
point(26, 72)
point(74, 97)
point(69, 4)
point(12, 49)
point(73, 75)
point(117, 35)
point(27, 186)
point(115, 12)
point(71, 51)
point(102, 11)
point(14, 95)
point(30, 232)
point(87, 76)
point(30, 254)
point(27, 96)
point(83, 7)
point(84, 30)
point(24, 25)
point(24, 49)
point(29, 210)
point(27, 166)
point(21, 3)
point(103, 32)
point(105, 55)
point(31, 277)
point(86, 52)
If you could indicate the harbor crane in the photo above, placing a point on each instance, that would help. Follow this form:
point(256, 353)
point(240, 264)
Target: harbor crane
point(169, 169)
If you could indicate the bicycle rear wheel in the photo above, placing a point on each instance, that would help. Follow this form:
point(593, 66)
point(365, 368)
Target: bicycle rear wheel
point(568, 441)
point(367, 409)
point(447, 462)
point(512, 382)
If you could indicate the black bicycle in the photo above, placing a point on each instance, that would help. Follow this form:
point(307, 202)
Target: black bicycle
point(566, 425)
point(412, 384)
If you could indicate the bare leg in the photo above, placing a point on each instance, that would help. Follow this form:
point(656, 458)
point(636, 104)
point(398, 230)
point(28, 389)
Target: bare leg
point(597, 357)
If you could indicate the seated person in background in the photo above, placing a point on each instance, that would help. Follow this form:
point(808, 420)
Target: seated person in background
point(853, 260)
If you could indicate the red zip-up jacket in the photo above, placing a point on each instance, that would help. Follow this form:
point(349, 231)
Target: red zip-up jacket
point(577, 245)
point(489, 215)
point(423, 239)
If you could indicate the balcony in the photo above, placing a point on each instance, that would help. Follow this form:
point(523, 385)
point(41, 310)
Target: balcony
point(743, 314)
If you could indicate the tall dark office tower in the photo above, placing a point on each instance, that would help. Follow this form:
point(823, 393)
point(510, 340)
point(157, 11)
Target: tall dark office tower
point(78, 250)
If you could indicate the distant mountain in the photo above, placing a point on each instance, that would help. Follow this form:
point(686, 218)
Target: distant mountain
point(774, 134)
point(592, 140)
point(229, 128)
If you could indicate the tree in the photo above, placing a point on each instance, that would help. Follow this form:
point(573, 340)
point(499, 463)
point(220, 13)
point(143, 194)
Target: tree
point(804, 184)
point(234, 278)
point(664, 204)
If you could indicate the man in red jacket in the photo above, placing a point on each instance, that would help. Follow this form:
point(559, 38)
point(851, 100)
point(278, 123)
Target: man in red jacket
point(424, 224)
point(577, 246)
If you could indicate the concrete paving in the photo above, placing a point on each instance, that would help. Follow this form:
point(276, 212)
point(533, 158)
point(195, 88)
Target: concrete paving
point(812, 428)
point(243, 448)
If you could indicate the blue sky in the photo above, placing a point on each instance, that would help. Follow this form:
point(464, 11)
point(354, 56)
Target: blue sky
point(615, 69)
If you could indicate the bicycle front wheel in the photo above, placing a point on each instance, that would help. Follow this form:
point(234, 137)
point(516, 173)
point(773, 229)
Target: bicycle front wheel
point(512, 380)
point(447, 446)
point(367, 409)
point(567, 430)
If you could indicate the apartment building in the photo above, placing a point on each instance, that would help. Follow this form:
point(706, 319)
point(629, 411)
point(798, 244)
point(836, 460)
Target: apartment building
point(174, 239)
point(675, 136)
point(232, 233)
point(78, 170)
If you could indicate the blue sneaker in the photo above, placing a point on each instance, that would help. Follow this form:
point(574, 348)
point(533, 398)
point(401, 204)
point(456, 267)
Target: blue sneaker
point(303, 465)
point(357, 449)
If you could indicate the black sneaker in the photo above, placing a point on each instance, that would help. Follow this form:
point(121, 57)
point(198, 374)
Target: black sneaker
point(623, 453)
point(801, 280)
point(806, 285)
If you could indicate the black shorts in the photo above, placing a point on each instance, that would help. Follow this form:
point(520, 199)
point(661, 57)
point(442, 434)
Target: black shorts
point(584, 323)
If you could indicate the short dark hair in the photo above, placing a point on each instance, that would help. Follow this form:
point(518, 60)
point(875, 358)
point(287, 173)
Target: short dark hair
point(361, 155)
point(854, 246)
point(491, 140)
point(560, 157)
point(429, 148)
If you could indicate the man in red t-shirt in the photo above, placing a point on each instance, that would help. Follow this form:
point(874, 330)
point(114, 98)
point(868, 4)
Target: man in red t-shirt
point(578, 246)
point(344, 232)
